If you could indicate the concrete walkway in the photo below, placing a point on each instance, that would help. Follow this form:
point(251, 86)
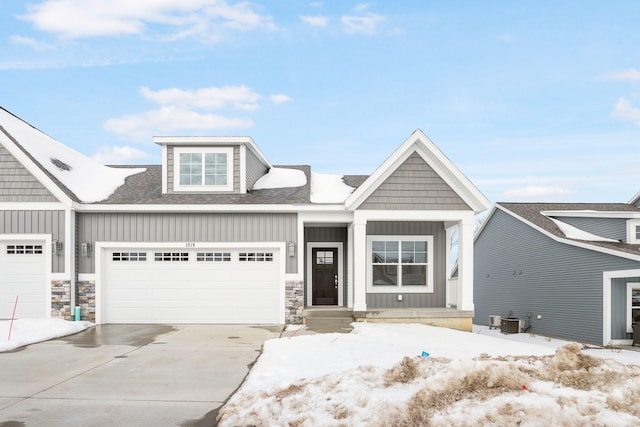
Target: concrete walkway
point(128, 375)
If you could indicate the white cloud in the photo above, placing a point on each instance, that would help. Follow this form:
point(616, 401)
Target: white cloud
point(363, 24)
point(32, 43)
point(626, 111)
point(204, 19)
point(315, 21)
point(118, 155)
point(535, 193)
point(215, 98)
point(280, 98)
point(630, 74)
point(168, 120)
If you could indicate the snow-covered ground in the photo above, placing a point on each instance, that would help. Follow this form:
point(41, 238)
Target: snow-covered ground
point(413, 375)
point(29, 331)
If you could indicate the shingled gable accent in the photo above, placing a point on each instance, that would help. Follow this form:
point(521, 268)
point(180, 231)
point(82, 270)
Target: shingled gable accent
point(58, 190)
point(17, 184)
point(417, 176)
point(414, 186)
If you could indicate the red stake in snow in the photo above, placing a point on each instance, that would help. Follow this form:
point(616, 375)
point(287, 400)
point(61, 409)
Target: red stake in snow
point(12, 317)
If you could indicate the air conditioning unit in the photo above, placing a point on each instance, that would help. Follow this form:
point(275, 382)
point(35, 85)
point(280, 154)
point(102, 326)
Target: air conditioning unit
point(494, 321)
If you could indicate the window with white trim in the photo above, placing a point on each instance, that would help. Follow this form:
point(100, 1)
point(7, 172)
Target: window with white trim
point(24, 249)
point(129, 256)
point(633, 231)
point(633, 305)
point(213, 257)
point(255, 256)
point(203, 169)
point(400, 263)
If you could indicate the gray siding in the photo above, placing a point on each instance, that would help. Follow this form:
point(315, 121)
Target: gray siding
point(37, 222)
point(170, 171)
point(611, 228)
point(518, 270)
point(414, 186)
point(255, 169)
point(328, 234)
point(435, 299)
point(17, 184)
point(188, 227)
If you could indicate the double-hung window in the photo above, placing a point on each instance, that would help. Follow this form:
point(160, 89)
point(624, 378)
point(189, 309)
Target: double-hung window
point(400, 264)
point(203, 169)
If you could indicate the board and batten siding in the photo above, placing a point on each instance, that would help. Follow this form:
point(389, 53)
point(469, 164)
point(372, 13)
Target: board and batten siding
point(413, 300)
point(185, 227)
point(329, 234)
point(255, 169)
point(37, 222)
point(611, 228)
point(170, 169)
point(518, 270)
point(17, 184)
point(414, 185)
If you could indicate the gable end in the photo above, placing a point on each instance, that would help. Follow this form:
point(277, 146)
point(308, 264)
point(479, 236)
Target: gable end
point(414, 185)
point(17, 184)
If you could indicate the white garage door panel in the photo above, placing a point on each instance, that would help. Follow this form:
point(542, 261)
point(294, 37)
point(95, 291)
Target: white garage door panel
point(191, 291)
point(22, 275)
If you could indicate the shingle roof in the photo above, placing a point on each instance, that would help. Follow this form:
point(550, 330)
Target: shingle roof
point(532, 212)
point(146, 188)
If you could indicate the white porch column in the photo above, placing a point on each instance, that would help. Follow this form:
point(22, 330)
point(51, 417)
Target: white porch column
point(359, 264)
point(465, 262)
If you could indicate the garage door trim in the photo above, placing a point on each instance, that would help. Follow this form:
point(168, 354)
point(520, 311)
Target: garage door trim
point(103, 248)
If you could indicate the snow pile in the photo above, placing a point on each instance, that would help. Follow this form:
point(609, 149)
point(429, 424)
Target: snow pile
point(377, 376)
point(572, 232)
point(281, 178)
point(327, 188)
point(88, 179)
point(29, 331)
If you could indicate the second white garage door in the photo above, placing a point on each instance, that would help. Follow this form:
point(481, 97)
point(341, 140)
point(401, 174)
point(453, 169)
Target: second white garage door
point(191, 286)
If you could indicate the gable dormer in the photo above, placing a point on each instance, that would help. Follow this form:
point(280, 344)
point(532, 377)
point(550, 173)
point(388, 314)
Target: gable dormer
point(210, 164)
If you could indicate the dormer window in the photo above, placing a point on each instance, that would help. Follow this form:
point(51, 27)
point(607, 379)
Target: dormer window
point(203, 169)
point(633, 231)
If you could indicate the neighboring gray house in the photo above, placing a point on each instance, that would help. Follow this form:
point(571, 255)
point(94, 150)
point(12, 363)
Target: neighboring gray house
point(217, 234)
point(568, 270)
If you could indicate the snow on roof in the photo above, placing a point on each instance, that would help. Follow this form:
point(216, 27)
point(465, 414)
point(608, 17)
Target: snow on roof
point(572, 232)
point(327, 188)
point(281, 178)
point(89, 180)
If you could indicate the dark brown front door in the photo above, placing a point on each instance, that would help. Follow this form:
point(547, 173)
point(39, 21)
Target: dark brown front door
point(325, 276)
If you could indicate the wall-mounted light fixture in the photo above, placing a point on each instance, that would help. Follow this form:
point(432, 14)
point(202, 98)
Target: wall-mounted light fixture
point(56, 247)
point(291, 248)
point(85, 249)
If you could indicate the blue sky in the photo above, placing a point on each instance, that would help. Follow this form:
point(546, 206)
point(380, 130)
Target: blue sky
point(532, 100)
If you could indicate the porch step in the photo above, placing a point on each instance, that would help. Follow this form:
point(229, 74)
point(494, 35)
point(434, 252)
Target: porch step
point(327, 313)
point(328, 320)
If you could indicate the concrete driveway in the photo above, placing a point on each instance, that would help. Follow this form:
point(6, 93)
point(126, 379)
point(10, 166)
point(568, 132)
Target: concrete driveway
point(133, 375)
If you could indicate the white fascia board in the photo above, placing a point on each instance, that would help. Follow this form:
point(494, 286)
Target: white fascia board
point(484, 223)
point(432, 155)
point(402, 215)
point(593, 214)
point(570, 242)
point(27, 206)
point(210, 208)
point(38, 173)
point(326, 217)
point(634, 199)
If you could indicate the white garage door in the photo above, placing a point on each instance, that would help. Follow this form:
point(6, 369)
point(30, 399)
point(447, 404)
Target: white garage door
point(22, 274)
point(191, 286)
